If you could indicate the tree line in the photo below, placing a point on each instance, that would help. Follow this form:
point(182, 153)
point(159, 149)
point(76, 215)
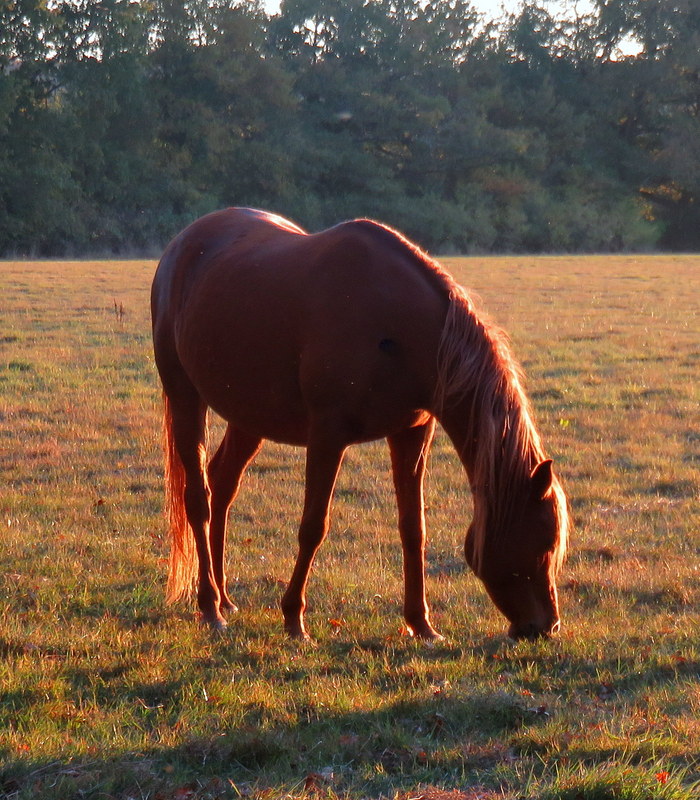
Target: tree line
point(123, 120)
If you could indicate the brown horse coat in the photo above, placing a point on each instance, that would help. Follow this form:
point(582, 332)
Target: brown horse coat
point(329, 339)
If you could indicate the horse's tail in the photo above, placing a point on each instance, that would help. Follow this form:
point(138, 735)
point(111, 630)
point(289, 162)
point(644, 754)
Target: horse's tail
point(183, 554)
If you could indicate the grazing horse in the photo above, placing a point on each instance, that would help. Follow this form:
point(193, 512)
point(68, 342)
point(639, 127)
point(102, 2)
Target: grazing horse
point(329, 339)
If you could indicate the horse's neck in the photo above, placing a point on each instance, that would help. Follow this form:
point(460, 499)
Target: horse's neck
point(462, 433)
point(477, 436)
point(481, 403)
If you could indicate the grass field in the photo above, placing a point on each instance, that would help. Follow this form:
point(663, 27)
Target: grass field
point(107, 693)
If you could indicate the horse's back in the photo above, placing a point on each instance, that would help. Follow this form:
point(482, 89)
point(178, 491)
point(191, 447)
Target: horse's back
point(272, 325)
point(205, 243)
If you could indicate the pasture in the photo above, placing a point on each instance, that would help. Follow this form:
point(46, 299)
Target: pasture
point(107, 693)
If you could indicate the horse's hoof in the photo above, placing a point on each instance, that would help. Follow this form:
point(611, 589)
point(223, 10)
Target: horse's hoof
point(219, 628)
point(427, 635)
point(298, 634)
point(215, 624)
point(431, 641)
point(228, 607)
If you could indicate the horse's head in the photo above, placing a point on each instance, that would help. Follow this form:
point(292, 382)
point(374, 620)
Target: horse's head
point(519, 567)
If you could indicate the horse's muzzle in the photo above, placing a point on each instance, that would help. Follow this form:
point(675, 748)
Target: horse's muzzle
point(531, 630)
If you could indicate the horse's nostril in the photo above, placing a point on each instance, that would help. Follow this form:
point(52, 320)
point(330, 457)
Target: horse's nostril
point(555, 628)
point(532, 631)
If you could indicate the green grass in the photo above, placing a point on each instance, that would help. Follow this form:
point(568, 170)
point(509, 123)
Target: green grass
point(107, 693)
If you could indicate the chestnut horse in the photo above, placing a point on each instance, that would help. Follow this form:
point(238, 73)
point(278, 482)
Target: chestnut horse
point(326, 340)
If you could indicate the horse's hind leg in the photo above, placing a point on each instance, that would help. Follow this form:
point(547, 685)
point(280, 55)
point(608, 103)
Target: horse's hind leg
point(409, 452)
point(236, 451)
point(188, 422)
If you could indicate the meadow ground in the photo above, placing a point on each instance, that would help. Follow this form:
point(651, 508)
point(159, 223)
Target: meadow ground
point(107, 693)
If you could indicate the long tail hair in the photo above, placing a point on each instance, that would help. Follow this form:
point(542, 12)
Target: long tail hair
point(183, 553)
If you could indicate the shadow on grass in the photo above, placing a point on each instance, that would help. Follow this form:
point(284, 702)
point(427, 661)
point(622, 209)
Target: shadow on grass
point(444, 737)
point(396, 747)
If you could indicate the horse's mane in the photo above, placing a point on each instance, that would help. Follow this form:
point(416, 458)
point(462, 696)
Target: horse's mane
point(475, 362)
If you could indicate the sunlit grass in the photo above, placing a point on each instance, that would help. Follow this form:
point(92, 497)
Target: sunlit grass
point(104, 692)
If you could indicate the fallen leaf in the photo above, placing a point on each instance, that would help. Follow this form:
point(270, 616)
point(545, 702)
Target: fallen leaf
point(313, 781)
point(184, 792)
point(422, 757)
point(606, 691)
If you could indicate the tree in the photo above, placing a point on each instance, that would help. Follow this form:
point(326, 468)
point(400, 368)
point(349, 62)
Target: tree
point(662, 110)
point(36, 185)
point(121, 120)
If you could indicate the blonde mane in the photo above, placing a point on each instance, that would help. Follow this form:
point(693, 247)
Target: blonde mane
point(475, 364)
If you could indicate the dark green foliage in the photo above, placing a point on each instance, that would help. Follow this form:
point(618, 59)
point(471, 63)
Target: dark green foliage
point(122, 121)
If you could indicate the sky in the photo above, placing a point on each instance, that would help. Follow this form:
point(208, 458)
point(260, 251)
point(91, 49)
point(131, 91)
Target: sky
point(495, 9)
point(492, 9)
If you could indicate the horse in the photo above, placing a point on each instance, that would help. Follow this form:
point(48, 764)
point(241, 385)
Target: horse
point(325, 340)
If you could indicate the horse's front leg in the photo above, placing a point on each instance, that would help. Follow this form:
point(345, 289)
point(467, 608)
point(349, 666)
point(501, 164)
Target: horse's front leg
point(409, 453)
point(324, 455)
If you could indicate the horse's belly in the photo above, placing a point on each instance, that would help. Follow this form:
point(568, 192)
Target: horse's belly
point(255, 393)
point(274, 396)
point(264, 413)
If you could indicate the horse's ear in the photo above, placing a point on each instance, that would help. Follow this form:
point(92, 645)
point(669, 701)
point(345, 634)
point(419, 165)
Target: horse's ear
point(541, 479)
